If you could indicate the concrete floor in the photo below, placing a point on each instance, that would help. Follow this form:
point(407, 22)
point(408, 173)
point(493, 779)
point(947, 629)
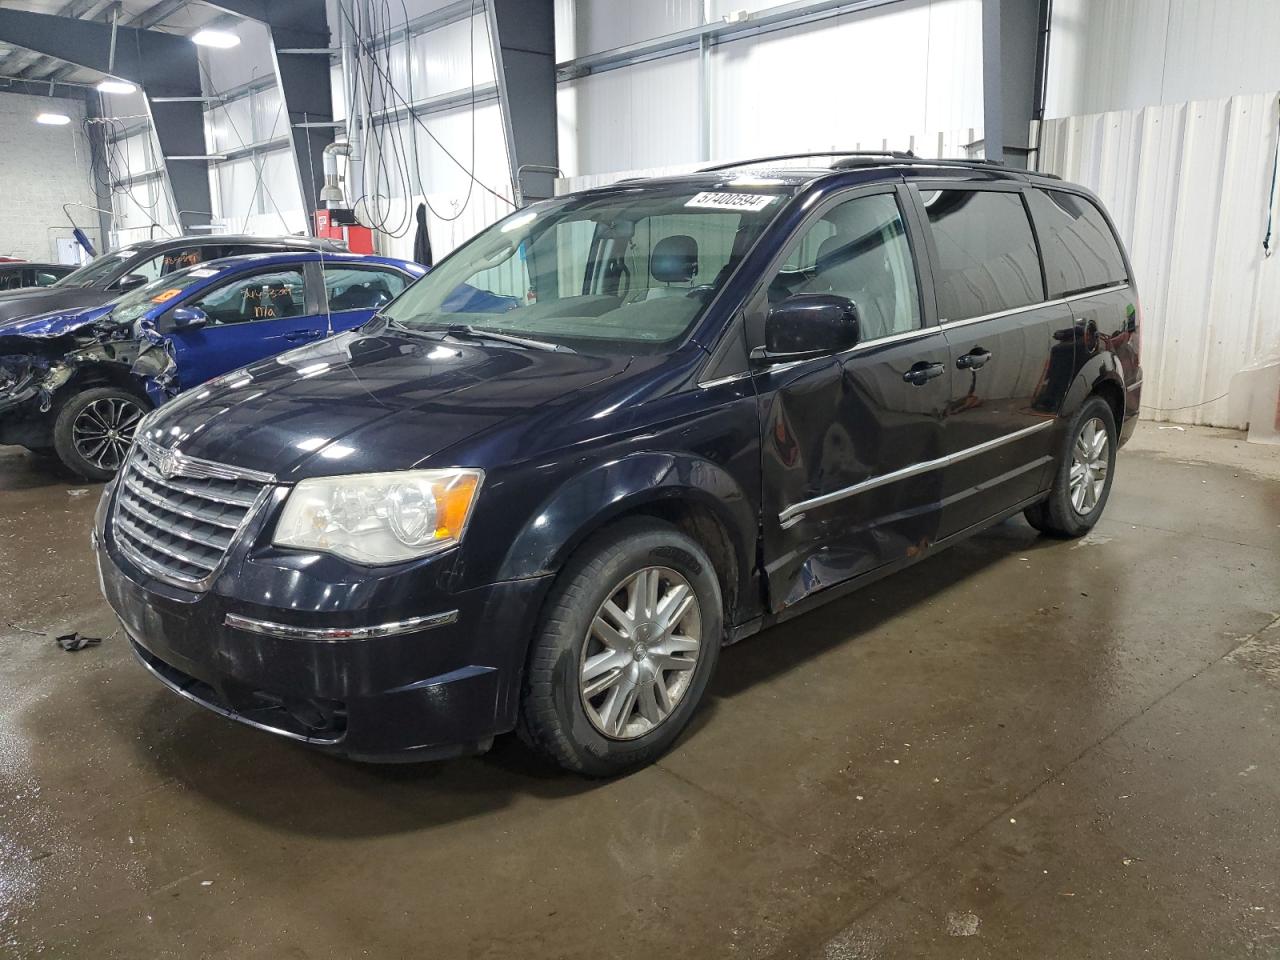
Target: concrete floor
point(1021, 748)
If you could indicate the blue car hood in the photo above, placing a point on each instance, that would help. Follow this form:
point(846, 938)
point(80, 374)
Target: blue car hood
point(48, 325)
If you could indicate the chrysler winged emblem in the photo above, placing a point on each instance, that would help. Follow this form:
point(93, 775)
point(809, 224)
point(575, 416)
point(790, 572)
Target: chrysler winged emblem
point(166, 462)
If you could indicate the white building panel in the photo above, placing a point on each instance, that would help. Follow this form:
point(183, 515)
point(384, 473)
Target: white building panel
point(1127, 54)
point(1189, 186)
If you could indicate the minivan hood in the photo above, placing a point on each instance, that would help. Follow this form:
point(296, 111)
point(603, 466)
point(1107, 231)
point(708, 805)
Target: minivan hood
point(29, 302)
point(368, 401)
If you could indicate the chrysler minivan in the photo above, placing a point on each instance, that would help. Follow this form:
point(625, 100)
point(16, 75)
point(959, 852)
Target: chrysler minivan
point(687, 408)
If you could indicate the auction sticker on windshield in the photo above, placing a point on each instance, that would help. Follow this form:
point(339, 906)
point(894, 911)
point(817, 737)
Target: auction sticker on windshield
point(164, 295)
point(731, 201)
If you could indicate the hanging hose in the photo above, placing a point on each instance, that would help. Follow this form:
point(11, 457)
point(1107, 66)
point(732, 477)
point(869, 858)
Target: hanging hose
point(1271, 196)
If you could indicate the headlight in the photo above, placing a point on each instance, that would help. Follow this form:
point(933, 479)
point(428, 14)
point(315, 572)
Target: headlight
point(379, 518)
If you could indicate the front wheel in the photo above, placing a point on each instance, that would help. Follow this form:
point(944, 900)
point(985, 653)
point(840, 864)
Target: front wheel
point(625, 649)
point(1082, 480)
point(94, 429)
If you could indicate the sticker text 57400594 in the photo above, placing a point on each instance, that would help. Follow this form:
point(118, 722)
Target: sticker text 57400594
point(751, 202)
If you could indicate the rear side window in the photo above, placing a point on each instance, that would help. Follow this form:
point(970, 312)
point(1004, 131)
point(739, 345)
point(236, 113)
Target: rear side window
point(987, 260)
point(1080, 251)
point(361, 288)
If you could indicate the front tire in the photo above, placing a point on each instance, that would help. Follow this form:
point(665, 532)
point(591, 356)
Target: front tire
point(627, 644)
point(94, 429)
point(1082, 479)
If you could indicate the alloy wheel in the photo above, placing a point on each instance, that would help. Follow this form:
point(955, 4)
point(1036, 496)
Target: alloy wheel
point(104, 429)
point(640, 653)
point(1089, 464)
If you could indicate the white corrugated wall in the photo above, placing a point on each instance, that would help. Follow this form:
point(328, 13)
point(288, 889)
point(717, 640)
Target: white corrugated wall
point(1128, 54)
point(1189, 186)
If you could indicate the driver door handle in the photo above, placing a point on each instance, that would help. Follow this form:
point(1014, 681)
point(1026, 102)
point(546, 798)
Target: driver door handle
point(922, 372)
point(975, 359)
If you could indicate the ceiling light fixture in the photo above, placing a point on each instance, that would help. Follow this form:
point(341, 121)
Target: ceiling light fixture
point(53, 119)
point(219, 39)
point(111, 85)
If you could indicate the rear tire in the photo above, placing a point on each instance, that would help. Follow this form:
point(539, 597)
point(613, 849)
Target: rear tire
point(1082, 479)
point(94, 428)
point(626, 646)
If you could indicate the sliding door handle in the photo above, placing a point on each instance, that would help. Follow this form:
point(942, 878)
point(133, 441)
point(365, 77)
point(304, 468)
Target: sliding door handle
point(975, 359)
point(922, 372)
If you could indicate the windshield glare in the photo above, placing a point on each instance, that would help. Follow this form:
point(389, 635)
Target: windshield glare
point(628, 271)
point(96, 270)
point(136, 303)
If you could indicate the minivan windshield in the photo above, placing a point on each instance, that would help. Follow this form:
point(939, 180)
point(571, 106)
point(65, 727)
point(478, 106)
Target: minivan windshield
point(629, 271)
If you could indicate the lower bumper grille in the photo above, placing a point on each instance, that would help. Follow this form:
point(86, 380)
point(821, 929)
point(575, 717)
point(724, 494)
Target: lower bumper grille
point(176, 517)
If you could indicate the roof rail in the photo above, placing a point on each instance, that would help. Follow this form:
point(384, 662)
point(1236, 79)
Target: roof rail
point(961, 162)
point(890, 154)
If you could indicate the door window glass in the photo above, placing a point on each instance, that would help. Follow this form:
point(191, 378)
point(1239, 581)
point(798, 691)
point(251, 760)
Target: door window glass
point(11, 280)
point(45, 279)
point(361, 288)
point(987, 259)
point(150, 269)
point(260, 296)
point(859, 250)
point(1080, 251)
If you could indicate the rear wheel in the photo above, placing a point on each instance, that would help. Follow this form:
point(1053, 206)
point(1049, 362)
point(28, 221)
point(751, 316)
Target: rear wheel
point(1082, 481)
point(94, 429)
point(626, 647)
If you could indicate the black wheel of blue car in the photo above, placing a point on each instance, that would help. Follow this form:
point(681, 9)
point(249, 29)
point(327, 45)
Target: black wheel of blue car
point(94, 429)
point(624, 651)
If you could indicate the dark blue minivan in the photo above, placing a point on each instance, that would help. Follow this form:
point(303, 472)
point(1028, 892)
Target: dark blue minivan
point(687, 409)
point(78, 382)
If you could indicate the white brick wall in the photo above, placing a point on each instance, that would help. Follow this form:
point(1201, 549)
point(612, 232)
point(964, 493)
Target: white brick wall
point(41, 168)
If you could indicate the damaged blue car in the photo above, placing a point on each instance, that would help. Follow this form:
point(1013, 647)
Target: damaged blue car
point(75, 384)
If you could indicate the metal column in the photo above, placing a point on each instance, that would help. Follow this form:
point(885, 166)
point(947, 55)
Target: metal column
point(1011, 36)
point(523, 33)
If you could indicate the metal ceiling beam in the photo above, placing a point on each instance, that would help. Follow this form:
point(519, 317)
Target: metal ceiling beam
point(162, 64)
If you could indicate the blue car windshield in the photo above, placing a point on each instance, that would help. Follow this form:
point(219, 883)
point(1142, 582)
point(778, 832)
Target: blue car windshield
point(630, 270)
point(136, 303)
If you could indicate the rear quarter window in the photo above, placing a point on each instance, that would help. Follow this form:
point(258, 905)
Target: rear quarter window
point(1080, 251)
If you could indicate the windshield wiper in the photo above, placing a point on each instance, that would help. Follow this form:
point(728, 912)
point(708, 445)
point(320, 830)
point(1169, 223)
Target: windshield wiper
point(476, 333)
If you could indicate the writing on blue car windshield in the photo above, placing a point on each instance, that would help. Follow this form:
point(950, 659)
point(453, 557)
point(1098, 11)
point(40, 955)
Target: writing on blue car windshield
point(629, 270)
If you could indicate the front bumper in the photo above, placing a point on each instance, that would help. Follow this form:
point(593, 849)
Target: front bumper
point(444, 687)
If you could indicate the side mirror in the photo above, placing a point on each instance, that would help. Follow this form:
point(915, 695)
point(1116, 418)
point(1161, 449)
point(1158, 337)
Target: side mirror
point(131, 281)
point(808, 325)
point(187, 318)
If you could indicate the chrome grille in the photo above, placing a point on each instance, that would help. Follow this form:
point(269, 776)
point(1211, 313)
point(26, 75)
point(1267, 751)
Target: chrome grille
point(176, 517)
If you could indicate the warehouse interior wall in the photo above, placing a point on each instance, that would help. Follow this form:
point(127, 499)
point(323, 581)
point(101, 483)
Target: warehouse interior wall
point(46, 167)
point(1128, 54)
point(850, 81)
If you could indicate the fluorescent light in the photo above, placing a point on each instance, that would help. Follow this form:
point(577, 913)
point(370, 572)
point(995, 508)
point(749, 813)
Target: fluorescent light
point(116, 86)
point(221, 39)
point(53, 119)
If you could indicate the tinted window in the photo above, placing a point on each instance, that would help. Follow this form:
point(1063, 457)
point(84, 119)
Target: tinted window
point(1080, 251)
point(858, 249)
point(45, 278)
point(10, 279)
point(260, 296)
point(361, 288)
point(181, 259)
point(987, 259)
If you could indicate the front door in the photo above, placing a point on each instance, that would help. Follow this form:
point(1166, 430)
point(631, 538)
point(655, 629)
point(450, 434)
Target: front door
point(1001, 333)
point(843, 435)
point(251, 316)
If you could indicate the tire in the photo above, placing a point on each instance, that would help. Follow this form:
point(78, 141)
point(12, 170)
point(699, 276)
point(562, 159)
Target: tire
point(576, 724)
point(93, 430)
point(1072, 512)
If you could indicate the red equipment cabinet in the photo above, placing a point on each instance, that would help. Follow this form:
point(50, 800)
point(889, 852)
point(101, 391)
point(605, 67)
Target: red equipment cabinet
point(359, 239)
